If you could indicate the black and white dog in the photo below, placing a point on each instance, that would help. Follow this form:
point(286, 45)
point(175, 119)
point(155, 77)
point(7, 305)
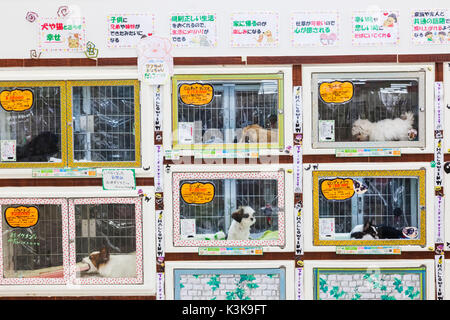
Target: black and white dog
point(368, 231)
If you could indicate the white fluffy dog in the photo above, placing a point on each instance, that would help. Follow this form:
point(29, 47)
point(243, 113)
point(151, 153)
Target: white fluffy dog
point(398, 129)
point(243, 219)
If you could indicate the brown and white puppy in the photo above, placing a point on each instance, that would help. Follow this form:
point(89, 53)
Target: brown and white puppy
point(257, 134)
point(111, 265)
point(243, 219)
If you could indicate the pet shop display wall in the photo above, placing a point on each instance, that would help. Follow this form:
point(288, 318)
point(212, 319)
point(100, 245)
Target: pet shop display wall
point(282, 152)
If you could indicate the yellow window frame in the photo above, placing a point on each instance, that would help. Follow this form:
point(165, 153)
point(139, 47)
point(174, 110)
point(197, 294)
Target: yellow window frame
point(420, 174)
point(63, 100)
point(137, 124)
point(228, 146)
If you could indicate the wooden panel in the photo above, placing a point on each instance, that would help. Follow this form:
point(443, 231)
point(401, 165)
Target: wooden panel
point(117, 61)
point(297, 75)
point(206, 60)
point(321, 59)
point(439, 71)
point(403, 58)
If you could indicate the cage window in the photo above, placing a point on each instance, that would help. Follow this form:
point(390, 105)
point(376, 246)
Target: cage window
point(210, 205)
point(105, 128)
point(227, 110)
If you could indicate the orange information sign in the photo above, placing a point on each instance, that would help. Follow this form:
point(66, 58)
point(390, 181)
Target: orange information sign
point(16, 100)
point(196, 94)
point(197, 193)
point(22, 217)
point(336, 92)
point(337, 189)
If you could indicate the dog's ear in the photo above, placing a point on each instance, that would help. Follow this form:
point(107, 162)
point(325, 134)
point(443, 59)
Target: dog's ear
point(238, 215)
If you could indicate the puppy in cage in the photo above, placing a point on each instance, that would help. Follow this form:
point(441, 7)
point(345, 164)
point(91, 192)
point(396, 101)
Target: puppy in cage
point(243, 219)
point(369, 231)
point(398, 129)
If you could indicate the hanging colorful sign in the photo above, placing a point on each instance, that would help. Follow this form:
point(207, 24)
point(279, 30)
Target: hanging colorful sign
point(125, 30)
point(254, 29)
point(193, 30)
point(159, 154)
point(159, 234)
point(430, 27)
point(439, 276)
point(299, 278)
point(375, 28)
point(155, 61)
point(336, 91)
point(196, 94)
point(16, 100)
point(62, 34)
point(160, 286)
point(197, 193)
point(22, 217)
point(315, 29)
point(298, 229)
point(439, 161)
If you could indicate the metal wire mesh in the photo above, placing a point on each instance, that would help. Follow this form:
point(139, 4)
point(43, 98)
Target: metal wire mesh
point(37, 131)
point(33, 248)
point(103, 118)
point(388, 201)
point(99, 225)
point(374, 100)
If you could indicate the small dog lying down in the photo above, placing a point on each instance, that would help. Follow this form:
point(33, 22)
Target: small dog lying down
point(111, 265)
point(254, 133)
point(368, 231)
point(398, 129)
point(243, 219)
